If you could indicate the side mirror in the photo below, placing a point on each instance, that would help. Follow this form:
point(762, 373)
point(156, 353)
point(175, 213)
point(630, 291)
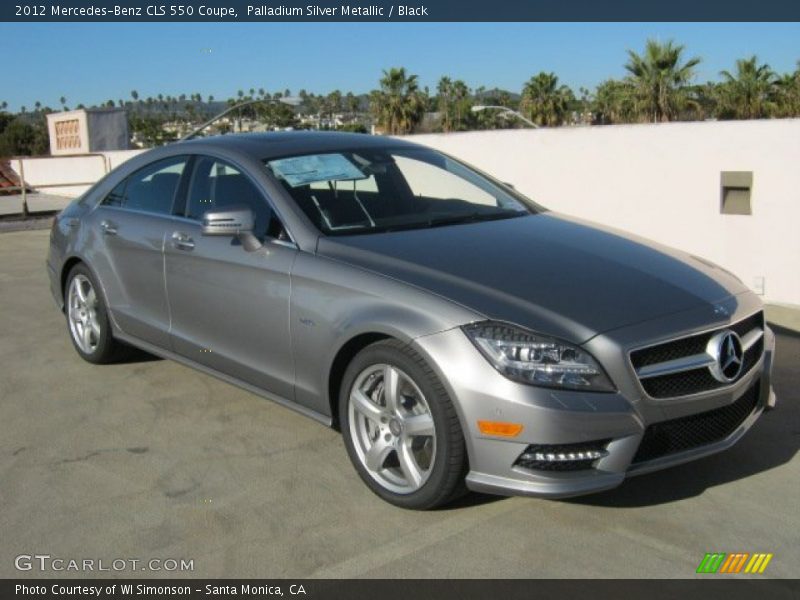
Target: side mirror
point(232, 222)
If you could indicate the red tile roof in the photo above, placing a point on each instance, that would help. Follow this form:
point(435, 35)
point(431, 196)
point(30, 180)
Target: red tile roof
point(8, 178)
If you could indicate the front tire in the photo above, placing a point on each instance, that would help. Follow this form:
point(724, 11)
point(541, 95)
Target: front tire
point(87, 318)
point(401, 429)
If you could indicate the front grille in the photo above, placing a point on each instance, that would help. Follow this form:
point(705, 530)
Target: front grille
point(686, 433)
point(556, 449)
point(696, 380)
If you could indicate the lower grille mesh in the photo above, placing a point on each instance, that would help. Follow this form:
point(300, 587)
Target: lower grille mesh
point(686, 433)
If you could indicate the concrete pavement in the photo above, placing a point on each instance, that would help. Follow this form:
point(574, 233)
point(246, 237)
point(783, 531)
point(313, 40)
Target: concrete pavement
point(150, 459)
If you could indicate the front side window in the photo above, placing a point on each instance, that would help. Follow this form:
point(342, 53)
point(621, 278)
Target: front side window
point(151, 189)
point(372, 191)
point(217, 185)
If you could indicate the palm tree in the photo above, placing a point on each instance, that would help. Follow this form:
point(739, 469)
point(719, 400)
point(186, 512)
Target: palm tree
point(461, 104)
point(444, 89)
point(351, 105)
point(333, 104)
point(544, 101)
point(398, 105)
point(4, 105)
point(37, 105)
point(660, 77)
point(134, 95)
point(614, 102)
point(749, 93)
point(788, 89)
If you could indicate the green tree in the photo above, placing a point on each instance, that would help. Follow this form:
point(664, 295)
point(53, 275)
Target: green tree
point(614, 101)
point(461, 105)
point(23, 138)
point(788, 94)
point(351, 105)
point(544, 101)
point(444, 90)
point(660, 76)
point(749, 93)
point(134, 95)
point(398, 105)
point(333, 105)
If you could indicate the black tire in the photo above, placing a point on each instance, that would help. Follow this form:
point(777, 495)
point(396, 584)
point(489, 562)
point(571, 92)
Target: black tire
point(445, 482)
point(108, 349)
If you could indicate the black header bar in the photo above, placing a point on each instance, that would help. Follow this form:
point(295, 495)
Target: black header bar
point(390, 10)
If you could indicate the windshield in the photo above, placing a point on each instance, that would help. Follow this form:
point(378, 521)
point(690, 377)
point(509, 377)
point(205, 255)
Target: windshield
point(370, 191)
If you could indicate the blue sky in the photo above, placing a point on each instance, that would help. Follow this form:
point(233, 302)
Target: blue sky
point(91, 63)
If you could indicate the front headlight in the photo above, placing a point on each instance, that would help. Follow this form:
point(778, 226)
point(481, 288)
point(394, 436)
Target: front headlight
point(537, 360)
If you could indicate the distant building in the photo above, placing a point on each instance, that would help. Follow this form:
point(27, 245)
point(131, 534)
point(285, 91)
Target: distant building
point(87, 130)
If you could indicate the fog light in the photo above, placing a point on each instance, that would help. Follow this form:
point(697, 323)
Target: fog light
point(562, 457)
point(565, 456)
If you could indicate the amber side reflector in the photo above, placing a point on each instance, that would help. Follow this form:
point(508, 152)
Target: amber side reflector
point(499, 429)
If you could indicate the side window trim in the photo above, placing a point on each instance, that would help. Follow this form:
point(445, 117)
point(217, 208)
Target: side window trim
point(126, 182)
point(181, 199)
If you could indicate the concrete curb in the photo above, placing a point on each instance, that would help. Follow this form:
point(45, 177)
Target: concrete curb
point(30, 224)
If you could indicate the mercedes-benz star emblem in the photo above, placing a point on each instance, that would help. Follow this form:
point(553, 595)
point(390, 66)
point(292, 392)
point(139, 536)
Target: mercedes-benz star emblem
point(726, 350)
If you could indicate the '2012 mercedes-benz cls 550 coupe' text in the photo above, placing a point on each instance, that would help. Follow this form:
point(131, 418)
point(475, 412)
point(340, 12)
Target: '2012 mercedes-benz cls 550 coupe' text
point(460, 335)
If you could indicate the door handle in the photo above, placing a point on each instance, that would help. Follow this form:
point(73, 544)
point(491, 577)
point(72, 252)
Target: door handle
point(182, 241)
point(108, 228)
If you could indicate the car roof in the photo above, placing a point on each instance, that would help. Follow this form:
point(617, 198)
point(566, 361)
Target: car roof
point(265, 146)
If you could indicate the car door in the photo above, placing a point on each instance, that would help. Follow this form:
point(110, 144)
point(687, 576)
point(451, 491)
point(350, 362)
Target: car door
point(230, 306)
point(130, 226)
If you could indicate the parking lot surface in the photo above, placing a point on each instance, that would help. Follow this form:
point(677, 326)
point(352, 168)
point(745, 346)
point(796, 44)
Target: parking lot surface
point(150, 459)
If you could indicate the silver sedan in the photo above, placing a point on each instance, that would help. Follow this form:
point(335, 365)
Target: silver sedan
point(459, 335)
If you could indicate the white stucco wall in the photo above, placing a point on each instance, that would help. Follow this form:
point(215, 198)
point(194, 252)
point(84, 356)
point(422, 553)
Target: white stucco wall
point(62, 171)
point(663, 182)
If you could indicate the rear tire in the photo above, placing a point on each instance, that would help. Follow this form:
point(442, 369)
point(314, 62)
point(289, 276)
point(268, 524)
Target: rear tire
point(87, 318)
point(401, 429)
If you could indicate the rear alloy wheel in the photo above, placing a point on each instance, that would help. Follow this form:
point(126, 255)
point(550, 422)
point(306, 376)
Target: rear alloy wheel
point(87, 318)
point(400, 428)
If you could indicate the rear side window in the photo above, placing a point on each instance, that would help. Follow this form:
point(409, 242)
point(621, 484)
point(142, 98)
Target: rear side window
point(151, 189)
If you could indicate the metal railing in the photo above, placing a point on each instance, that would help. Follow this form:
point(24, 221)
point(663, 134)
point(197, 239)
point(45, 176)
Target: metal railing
point(23, 189)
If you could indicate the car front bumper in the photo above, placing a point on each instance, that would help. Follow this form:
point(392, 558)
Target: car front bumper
point(557, 417)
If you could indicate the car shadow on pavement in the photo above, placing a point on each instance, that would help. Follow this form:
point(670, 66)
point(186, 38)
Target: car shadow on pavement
point(134, 355)
point(773, 441)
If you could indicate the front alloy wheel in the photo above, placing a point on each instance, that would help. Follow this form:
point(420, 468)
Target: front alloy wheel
point(400, 427)
point(392, 428)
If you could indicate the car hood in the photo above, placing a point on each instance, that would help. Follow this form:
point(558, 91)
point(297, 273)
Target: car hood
point(547, 272)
